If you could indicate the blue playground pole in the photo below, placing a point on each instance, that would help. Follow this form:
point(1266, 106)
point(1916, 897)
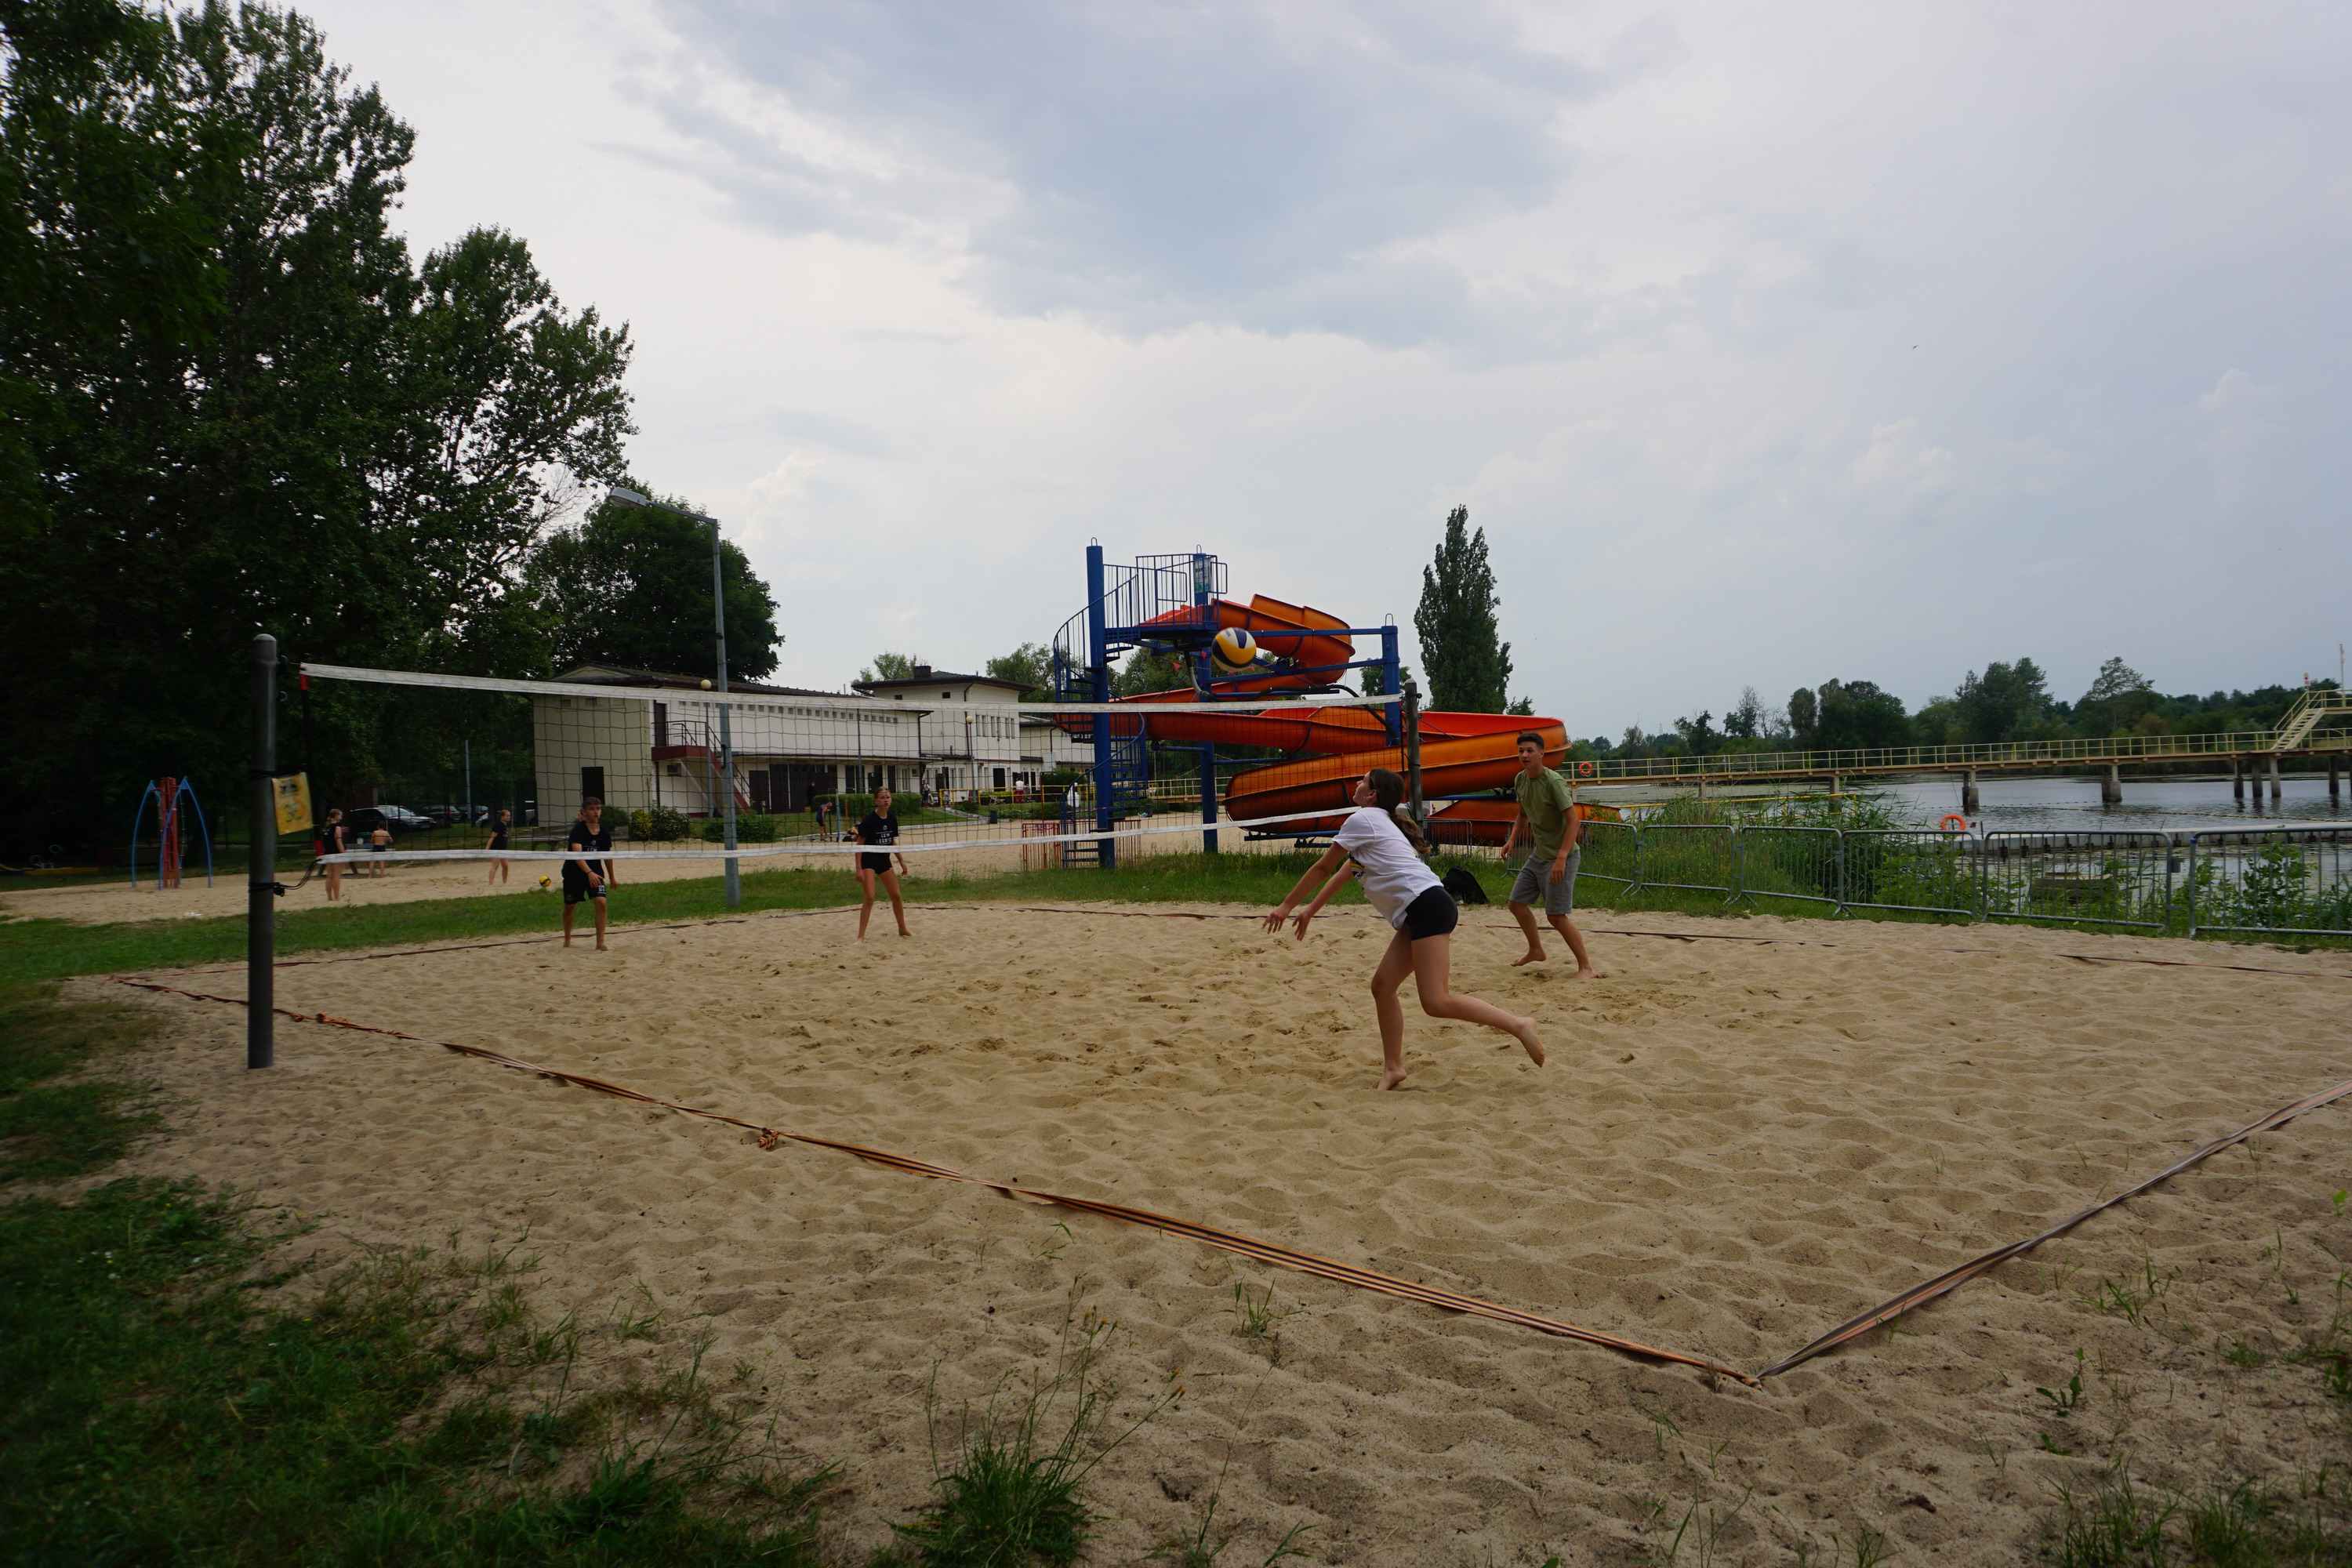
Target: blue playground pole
point(1098, 662)
point(1200, 597)
point(1391, 685)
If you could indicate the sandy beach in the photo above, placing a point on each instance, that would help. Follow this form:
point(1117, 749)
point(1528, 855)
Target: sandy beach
point(1736, 1145)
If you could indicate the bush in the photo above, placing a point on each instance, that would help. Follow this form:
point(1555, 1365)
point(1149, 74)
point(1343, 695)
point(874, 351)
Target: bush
point(660, 825)
point(750, 827)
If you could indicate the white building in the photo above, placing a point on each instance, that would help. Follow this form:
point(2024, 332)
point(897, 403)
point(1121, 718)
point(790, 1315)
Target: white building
point(965, 750)
point(633, 753)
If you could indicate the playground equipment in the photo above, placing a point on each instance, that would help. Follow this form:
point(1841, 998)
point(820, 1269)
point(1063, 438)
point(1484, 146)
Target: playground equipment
point(176, 800)
point(1175, 604)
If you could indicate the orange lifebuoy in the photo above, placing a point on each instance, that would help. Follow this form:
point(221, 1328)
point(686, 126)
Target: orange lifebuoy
point(1584, 770)
point(1953, 823)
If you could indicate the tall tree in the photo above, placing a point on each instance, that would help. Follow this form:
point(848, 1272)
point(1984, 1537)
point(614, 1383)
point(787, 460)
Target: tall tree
point(213, 352)
point(1699, 738)
point(631, 586)
point(888, 667)
point(1746, 719)
point(1461, 640)
point(2007, 702)
point(1804, 719)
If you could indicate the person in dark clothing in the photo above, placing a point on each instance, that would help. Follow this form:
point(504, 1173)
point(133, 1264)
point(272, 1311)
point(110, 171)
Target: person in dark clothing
point(500, 826)
point(334, 838)
point(587, 876)
point(880, 826)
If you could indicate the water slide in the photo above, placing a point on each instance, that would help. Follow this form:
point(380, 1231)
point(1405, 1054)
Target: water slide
point(1461, 753)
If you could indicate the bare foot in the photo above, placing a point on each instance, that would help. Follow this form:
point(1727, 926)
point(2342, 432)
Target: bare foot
point(904, 931)
point(1532, 955)
point(1587, 973)
point(1526, 1035)
point(600, 947)
point(1391, 1077)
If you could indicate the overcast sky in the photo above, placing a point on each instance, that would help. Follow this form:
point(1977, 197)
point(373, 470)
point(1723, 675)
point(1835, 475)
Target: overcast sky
point(1768, 343)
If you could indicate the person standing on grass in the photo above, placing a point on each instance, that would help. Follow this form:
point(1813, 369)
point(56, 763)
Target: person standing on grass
point(587, 876)
point(880, 826)
point(1384, 848)
point(334, 838)
point(1548, 815)
point(500, 825)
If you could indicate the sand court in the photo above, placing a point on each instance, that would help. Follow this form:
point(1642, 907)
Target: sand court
point(1736, 1145)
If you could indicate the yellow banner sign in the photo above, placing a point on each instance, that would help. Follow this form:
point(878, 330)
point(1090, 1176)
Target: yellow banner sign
point(293, 791)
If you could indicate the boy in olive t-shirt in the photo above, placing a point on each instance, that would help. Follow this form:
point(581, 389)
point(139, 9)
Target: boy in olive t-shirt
point(1548, 815)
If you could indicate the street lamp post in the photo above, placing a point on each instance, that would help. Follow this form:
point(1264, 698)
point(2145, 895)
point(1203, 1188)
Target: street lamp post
point(627, 497)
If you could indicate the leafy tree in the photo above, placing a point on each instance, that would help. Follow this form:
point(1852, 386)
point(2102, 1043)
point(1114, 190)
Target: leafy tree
point(1469, 664)
point(232, 403)
point(1146, 672)
point(888, 667)
point(2005, 703)
point(1369, 680)
point(1525, 708)
point(1030, 667)
point(1698, 736)
point(2116, 678)
point(1635, 744)
point(1856, 714)
point(631, 586)
point(1804, 719)
point(1746, 719)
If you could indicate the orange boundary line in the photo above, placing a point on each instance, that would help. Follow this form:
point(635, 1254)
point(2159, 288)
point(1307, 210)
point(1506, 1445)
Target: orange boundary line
point(1268, 1252)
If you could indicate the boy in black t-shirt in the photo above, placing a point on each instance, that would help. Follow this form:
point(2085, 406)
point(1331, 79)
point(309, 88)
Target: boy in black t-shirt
point(880, 826)
point(586, 877)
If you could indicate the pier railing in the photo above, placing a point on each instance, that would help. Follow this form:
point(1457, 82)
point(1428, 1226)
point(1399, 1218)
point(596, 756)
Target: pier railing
point(2100, 751)
point(2286, 882)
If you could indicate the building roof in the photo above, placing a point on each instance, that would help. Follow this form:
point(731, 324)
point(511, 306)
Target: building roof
point(623, 675)
point(926, 675)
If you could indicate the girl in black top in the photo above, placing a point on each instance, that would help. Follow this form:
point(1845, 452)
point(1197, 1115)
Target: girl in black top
point(880, 826)
point(333, 840)
point(500, 828)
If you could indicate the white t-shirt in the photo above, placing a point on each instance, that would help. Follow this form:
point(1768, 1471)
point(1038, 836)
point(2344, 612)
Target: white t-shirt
point(1392, 875)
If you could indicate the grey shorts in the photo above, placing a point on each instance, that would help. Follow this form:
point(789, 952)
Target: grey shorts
point(1535, 884)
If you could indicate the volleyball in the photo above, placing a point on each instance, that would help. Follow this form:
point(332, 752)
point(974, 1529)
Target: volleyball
point(1234, 651)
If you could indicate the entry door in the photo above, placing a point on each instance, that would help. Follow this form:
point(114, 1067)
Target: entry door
point(759, 790)
point(592, 782)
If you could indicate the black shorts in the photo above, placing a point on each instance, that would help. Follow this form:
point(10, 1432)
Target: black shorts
point(576, 890)
point(873, 862)
point(1431, 914)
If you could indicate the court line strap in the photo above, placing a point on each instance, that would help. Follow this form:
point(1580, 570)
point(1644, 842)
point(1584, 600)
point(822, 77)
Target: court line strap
point(1953, 1279)
point(1268, 1252)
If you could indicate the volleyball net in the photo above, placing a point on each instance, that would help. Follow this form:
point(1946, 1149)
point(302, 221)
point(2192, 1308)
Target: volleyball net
point(428, 767)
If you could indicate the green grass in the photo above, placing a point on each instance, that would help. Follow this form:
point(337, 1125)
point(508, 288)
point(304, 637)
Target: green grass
point(158, 1402)
point(50, 1128)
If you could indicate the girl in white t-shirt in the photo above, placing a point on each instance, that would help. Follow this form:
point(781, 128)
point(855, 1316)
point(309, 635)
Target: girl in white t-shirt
point(1384, 849)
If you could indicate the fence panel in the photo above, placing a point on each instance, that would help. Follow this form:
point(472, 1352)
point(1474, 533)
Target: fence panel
point(2088, 877)
point(2275, 881)
point(1610, 852)
point(1697, 858)
point(1921, 871)
point(1792, 863)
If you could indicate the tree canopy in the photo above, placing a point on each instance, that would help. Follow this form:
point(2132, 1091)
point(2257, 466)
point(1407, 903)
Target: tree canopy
point(236, 403)
point(631, 586)
point(1461, 639)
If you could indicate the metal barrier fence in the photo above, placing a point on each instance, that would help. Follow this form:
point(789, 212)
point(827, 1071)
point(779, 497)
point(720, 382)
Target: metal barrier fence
point(2274, 881)
point(2088, 877)
point(1697, 858)
point(1803, 864)
point(1915, 870)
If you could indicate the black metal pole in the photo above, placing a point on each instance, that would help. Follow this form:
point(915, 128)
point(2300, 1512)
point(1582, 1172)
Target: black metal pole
point(726, 728)
point(261, 863)
point(1413, 755)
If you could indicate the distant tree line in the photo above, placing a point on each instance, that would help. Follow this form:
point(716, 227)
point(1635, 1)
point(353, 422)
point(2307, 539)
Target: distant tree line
point(2003, 702)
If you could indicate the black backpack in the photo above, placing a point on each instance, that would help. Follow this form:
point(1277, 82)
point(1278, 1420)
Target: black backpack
point(1464, 886)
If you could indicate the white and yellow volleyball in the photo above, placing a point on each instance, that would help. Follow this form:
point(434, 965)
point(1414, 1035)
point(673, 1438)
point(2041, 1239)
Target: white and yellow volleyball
point(1233, 652)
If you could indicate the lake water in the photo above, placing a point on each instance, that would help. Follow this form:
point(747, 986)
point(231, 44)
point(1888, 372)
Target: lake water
point(2051, 803)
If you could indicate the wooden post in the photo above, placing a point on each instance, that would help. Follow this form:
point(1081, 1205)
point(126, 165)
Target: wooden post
point(2334, 782)
point(2111, 788)
point(2274, 778)
point(1969, 797)
point(2237, 780)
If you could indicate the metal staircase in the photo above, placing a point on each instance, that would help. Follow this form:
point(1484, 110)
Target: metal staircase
point(2317, 702)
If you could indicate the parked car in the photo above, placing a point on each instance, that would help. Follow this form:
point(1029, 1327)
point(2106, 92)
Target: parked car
point(398, 818)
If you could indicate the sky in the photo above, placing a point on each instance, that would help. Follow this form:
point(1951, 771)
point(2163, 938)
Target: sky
point(1768, 344)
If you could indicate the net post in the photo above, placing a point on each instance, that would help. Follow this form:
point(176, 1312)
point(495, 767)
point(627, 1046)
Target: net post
point(726, 728)
point(1098, 657)
point(261, 863)
point(1200, 597)
point(1391, 674)
point(1412, 757)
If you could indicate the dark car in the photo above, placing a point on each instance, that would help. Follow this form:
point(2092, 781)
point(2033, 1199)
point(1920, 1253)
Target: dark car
point(398, 818)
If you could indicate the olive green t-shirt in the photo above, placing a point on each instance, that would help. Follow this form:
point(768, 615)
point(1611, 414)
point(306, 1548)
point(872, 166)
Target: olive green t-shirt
point(1548, 799)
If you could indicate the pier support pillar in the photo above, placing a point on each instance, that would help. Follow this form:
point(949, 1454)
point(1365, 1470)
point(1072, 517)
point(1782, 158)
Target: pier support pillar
point(2275, 779)
point(1968, 793)
point(2334, 782)
point(2237, 781)
point(1834, 786)
point(2111, 788)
